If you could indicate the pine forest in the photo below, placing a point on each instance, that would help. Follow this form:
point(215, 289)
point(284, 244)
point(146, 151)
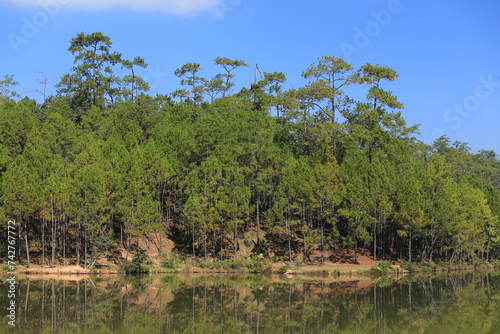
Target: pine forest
point(297, 174)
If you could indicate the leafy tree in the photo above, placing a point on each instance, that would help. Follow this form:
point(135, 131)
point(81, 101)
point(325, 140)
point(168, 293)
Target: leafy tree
point(137, 84)
point(410, 199)
point(189, 77)
point(90, 202)
point(327, 78)
point(16, 122)
point(222, 83)
point(6, 86)
point(358, 202)
point(92, 81)
point(20, 196)
point(276, 81)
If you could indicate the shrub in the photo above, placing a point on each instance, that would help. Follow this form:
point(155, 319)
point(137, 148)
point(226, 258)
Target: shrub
point(256, 265)
point(137, 265)
point(429, 267)
point(495, 263)
point(172, 263)
point(9, 267)
point(409, 266)
point(381, 268)
point(283, 269)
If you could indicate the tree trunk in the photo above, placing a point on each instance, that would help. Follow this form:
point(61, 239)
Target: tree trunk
point(53, 257)
point(92, 254)
point(221, 240)
point(26, 241)
point(322, 242)
point(64, 244)
point(78, 243)
point(53, 230)
point(205, 245)
point(193, 242)
point(85, 242)
point(121, 236)
point(214, 247)
point(356, 253)
point(375, 242)
point(304, 250)
point(43, 242)
point(236, 242)
point(409, 247)
point(258, 224)
point(289, 243)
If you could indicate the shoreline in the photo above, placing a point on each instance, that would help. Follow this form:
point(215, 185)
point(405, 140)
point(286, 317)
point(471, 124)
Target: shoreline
point(332, 270)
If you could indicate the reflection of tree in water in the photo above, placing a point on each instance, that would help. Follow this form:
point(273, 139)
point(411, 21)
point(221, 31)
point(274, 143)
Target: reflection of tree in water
point(249, 304)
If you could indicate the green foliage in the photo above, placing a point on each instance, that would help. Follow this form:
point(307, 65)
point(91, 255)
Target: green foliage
point(9, 267)
point(429, 267)
point(138, 264)
point(6, 85)
point(252, 265)
point(383, 267)
point(284, 268)
point(102, 166)
point(409, 266)
point(384, 281)
point(93, 82)
point(172, 262)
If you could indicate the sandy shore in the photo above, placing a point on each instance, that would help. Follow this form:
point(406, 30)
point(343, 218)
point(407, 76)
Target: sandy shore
point(329, 269)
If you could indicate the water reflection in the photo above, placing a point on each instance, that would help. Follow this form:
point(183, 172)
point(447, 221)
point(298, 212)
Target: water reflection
point(467, 303)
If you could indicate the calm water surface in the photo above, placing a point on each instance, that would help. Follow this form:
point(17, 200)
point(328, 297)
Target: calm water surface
point(467, 303)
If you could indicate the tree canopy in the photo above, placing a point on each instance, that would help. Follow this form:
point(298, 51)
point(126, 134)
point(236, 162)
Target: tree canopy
point(294, 172)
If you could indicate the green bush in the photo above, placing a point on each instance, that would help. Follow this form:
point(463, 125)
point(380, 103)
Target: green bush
point(283, 269)
point(430, 267)
point(137, 266)
point(9, 267)
point(495, 263)
point(278, 258)
point(256, 265)
point(173, 262)
point(409, 266)
point(381, 268)
point(236, 263)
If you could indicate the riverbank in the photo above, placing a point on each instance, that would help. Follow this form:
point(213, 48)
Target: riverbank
point(330, 269)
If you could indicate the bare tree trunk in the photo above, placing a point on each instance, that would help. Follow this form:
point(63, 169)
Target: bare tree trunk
point(409, 247)
point(193, 241)
point(205, 245)
point(64, 243)
point(258, 224)
point(356, 253)
point(43, 242)
point(85, 242)
point(235, 242)
point(26, 241)
point(78, 243)
point(375, 242)
point(53, 258)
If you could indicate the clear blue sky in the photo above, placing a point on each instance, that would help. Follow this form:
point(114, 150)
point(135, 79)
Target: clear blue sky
point(446, 52)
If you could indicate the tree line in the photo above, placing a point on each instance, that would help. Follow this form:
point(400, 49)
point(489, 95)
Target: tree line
point(296, 172)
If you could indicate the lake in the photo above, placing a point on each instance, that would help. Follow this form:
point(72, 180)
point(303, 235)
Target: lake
point(465, 303)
